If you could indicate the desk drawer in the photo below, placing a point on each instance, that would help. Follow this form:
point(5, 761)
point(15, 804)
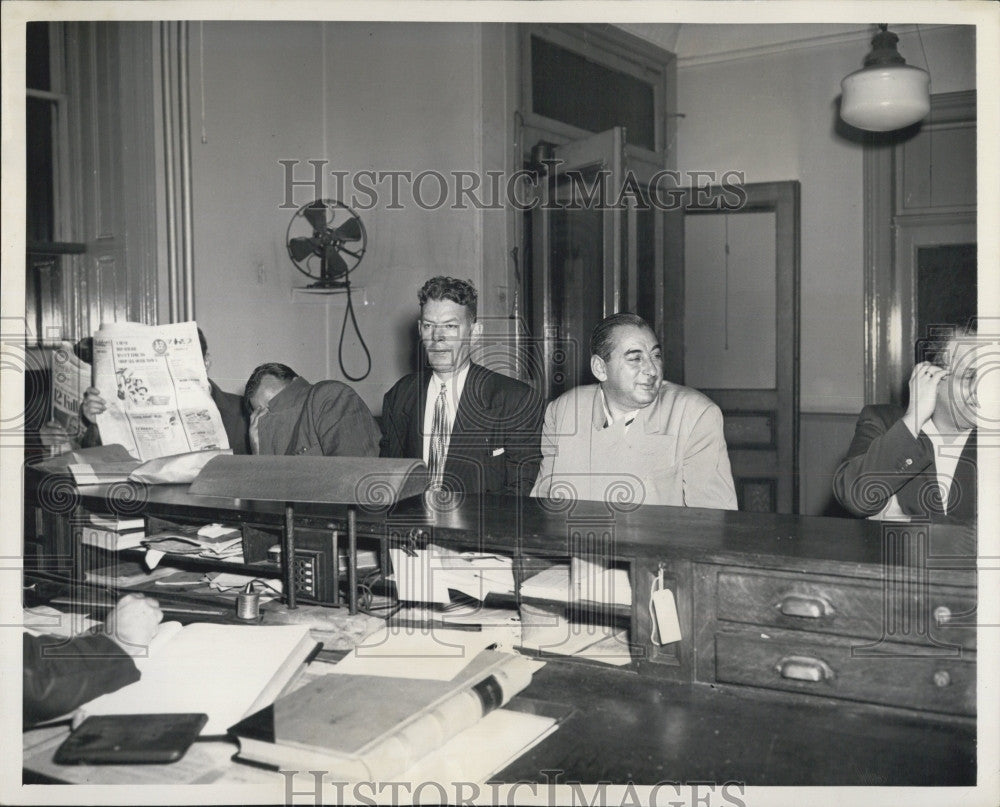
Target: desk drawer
point(914, 613)
point(827, 667)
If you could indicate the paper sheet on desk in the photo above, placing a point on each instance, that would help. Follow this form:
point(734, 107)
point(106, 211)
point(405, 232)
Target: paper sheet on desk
point(582, 581)
point(406, 652)
point(44, 620)
point(225, 671)
point(483, 749)
point(427, 575)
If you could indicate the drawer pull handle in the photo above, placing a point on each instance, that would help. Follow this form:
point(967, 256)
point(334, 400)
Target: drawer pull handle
point(942, 614)
point(942, 678)
point(806, 607)
point(804, 668)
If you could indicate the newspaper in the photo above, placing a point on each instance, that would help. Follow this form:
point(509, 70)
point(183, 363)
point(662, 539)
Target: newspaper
point(158, 398)
point(70, 377)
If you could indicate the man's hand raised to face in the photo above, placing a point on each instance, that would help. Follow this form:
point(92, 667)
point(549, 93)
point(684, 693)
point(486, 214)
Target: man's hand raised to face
point(924, 382)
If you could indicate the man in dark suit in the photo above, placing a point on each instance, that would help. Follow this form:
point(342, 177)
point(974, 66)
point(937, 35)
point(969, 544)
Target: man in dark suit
point(477, 430)
point(919, 462)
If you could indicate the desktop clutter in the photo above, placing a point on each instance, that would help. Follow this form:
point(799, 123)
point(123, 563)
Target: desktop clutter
point(421, 683)
point(422, 692)
point(412, 703)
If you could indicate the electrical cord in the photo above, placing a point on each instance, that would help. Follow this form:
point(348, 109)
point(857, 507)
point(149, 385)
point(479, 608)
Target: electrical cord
point(343, 328)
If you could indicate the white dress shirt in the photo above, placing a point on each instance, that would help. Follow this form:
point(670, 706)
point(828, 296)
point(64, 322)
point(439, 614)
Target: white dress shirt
point(453, 394)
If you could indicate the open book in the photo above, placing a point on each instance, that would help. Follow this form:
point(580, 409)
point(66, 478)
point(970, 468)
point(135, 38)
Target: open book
point(225, 671)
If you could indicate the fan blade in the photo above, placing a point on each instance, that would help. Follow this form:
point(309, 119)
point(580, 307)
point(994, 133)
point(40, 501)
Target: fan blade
point(316, 215)
point(350, 230)
point(301, 248)
point(333, 265)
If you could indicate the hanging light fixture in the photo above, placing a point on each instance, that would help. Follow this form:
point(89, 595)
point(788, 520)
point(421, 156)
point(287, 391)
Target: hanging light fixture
point(887, 93)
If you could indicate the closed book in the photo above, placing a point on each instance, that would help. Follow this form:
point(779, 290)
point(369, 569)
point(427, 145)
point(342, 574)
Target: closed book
point(362, 727)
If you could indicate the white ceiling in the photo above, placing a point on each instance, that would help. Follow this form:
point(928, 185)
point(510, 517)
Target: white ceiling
point(700, 43)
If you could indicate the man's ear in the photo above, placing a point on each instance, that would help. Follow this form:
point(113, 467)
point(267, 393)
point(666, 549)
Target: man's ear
point(598, 368)
point(477, 329)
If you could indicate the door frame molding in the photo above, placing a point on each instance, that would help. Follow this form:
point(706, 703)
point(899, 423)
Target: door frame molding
point(783, 199)
point(888, 318)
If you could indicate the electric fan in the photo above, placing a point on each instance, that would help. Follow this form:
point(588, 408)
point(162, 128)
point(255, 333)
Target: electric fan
point(324, 255)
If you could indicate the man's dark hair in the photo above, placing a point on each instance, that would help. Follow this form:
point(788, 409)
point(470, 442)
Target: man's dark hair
point(280, 371)
point(934, 346)
point(84, 349)
point(603, 337)
point(458, 291)
point(204, 343)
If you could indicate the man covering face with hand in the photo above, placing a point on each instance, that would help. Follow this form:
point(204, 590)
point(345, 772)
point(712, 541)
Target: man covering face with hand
point(921, 461)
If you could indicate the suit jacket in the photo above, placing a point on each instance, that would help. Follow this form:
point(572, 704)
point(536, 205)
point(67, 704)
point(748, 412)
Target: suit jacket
point(326, 419)
point(61, 674)
point(494, 444)
point(673, 453)
point(234, 418)
point(886, 460)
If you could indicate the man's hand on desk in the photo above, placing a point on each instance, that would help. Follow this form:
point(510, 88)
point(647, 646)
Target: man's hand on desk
point(133, 622)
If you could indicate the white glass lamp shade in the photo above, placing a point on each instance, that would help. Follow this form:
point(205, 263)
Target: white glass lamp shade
point(882, 98)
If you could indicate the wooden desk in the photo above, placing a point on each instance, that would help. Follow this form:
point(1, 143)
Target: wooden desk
point(815, 650)
point(629, 727)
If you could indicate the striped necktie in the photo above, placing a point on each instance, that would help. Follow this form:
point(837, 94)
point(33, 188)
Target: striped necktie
point(439, 437)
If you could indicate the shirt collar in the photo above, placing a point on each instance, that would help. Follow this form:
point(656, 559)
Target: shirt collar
point(455, 384)
point(602, 412)
point(935, 435)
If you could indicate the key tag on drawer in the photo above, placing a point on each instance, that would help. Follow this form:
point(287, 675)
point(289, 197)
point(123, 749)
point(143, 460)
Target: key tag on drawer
point(663, 610)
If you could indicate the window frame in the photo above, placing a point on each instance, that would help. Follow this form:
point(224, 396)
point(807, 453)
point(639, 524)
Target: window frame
point(615, 50)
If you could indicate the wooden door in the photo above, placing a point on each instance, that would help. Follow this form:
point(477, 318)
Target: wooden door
point(741, 334)
point(110, 205)
point(598, 248)
point(576, 256)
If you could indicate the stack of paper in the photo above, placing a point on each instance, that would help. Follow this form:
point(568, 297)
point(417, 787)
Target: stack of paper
point(546, 626)
point(583, 581)
point(431, 574)
point(213, 541)
point(113, 534)
point(124, 574)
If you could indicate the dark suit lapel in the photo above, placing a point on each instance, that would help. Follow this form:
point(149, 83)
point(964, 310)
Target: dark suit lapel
point(962, 496)
point(469, 434)
point(476, 408)
point(414, 417)
point(913, 497)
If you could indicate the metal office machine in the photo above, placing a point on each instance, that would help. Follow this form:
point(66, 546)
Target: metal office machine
point(374, 484)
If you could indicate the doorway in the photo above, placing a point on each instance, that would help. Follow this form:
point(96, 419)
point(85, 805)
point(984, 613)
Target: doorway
point(598, 247)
